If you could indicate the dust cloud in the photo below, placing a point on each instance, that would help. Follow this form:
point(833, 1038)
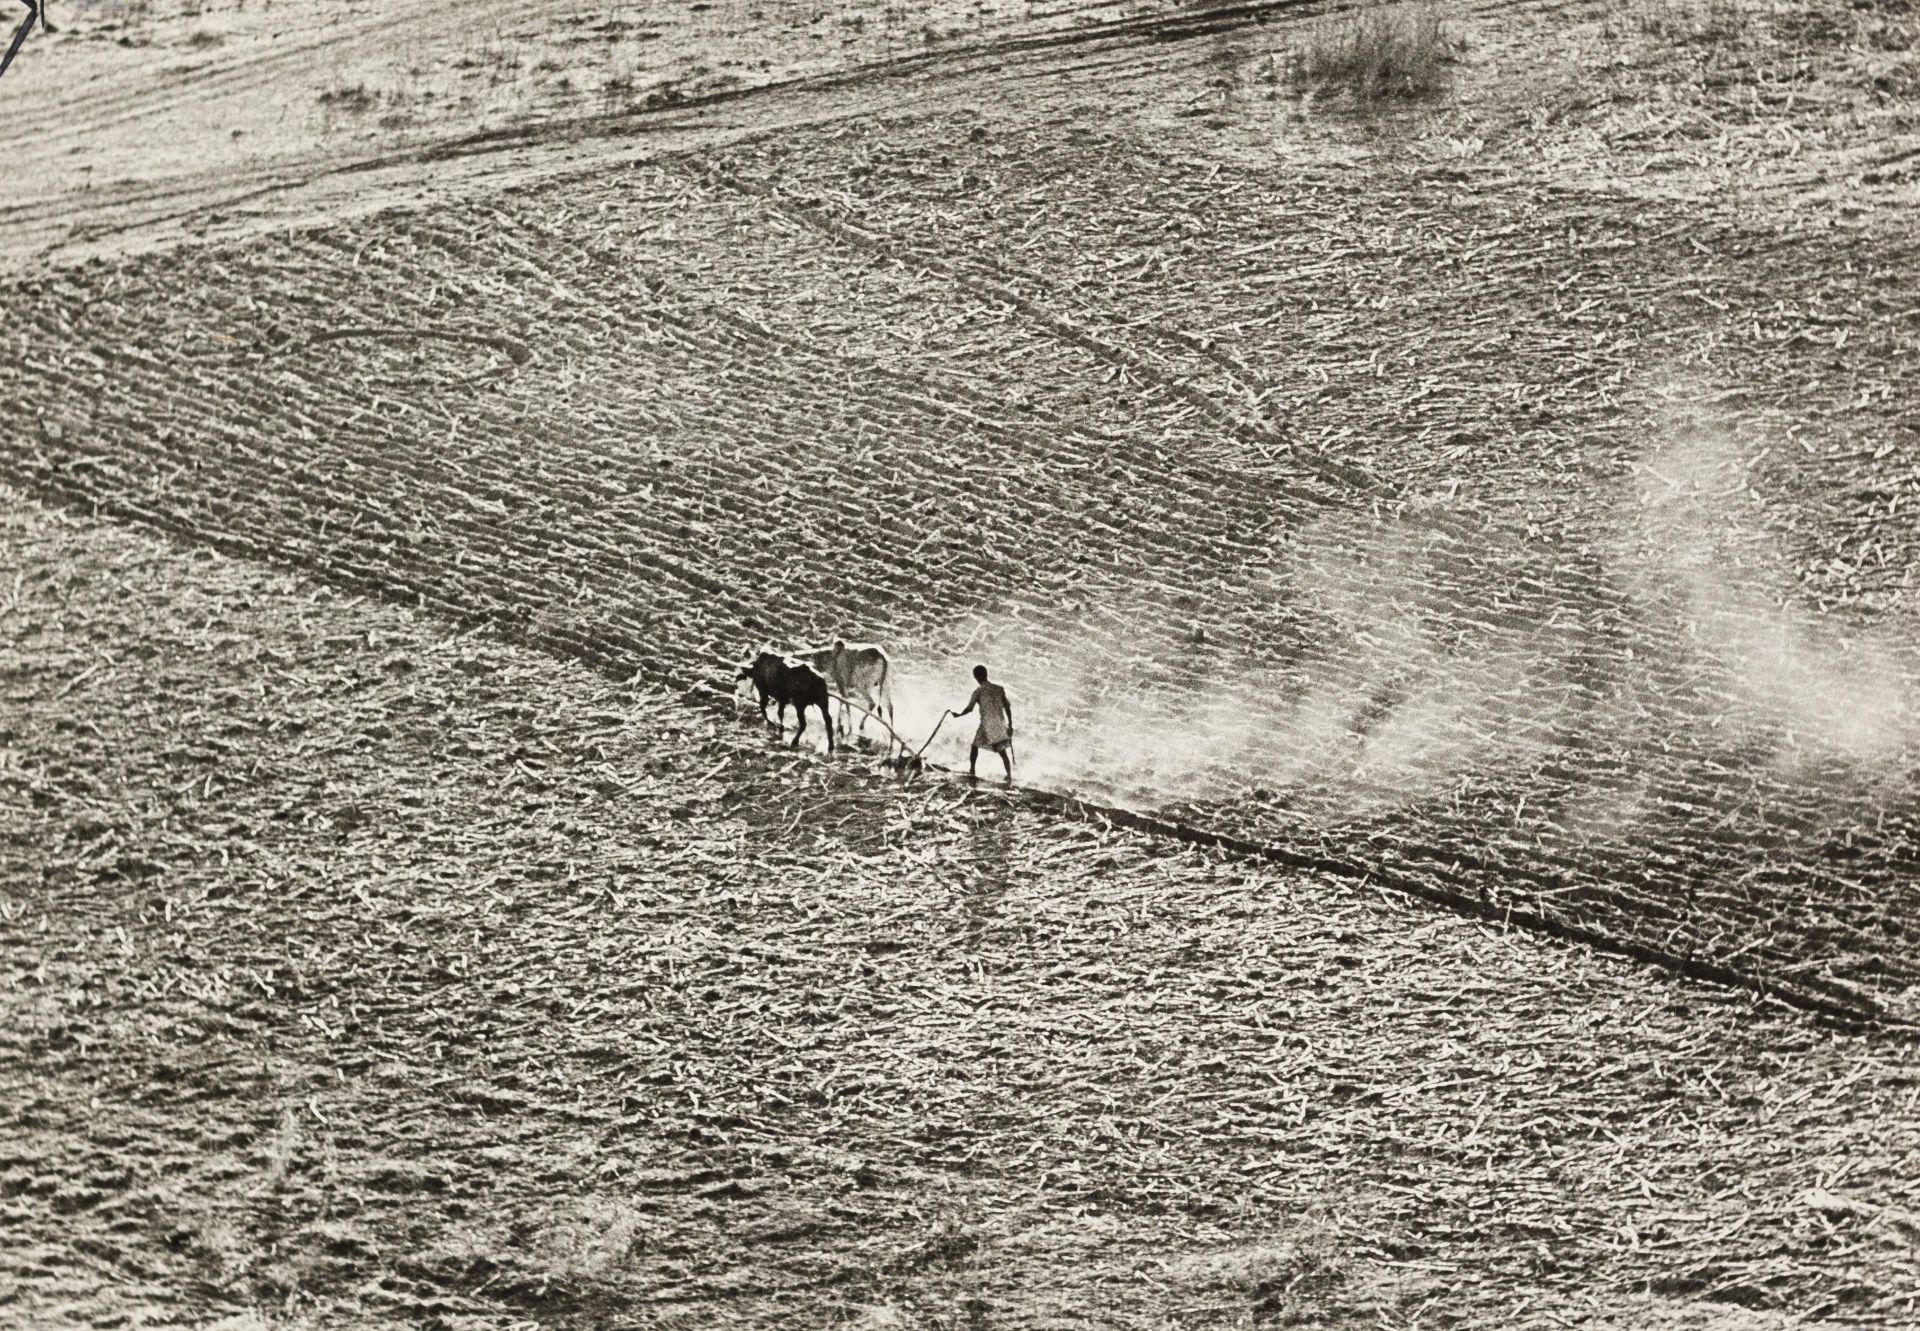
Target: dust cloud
point(1373, 701)
point(1396, 668)
point(1788, 672)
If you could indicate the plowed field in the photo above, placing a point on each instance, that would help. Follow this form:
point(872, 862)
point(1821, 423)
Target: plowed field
point(1504, 500)
point(1627, 655)
point(362, 973)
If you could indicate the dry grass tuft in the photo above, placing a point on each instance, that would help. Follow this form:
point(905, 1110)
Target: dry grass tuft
point(358, 97)
point(1399, 53)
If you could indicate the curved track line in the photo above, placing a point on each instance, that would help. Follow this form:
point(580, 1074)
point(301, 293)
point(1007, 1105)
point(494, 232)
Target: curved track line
point(953, 64)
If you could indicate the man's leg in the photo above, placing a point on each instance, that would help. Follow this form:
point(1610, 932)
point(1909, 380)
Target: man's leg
point(973, 759)
point(1006, 761)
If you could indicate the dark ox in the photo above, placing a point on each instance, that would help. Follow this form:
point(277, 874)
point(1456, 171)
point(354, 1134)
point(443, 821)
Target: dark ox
point(785, 684)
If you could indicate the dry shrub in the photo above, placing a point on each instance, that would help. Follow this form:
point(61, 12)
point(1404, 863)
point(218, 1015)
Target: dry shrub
point(343, 98)
point(1397, 53)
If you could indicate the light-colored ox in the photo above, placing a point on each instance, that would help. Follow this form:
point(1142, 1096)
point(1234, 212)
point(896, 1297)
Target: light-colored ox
point(860, 673)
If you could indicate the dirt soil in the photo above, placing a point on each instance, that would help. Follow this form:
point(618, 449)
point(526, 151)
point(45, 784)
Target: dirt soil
point(1541, 545)
point(364, 973)
point(1505, 498)
point(143, 122)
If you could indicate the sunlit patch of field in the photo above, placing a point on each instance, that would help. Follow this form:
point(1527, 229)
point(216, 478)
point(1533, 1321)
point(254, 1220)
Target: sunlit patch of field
point(1594, 643)
point(357, 970)
point(1500, 495)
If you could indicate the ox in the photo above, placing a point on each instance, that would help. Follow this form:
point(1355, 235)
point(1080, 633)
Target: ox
point(859, 673)
point(787, 683)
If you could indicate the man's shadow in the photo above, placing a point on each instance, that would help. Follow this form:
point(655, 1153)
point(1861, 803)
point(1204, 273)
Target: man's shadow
point(986, 873)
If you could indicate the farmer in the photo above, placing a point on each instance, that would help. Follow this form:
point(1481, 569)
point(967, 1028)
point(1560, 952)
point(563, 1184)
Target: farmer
point(996, 724)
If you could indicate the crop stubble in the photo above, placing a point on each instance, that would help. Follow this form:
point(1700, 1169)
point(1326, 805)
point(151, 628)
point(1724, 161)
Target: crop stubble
point(1421, 502)
point(380, 975)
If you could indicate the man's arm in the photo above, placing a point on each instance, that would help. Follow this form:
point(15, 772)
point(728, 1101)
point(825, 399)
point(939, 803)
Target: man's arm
point(972, 703)
point(1008, 703)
